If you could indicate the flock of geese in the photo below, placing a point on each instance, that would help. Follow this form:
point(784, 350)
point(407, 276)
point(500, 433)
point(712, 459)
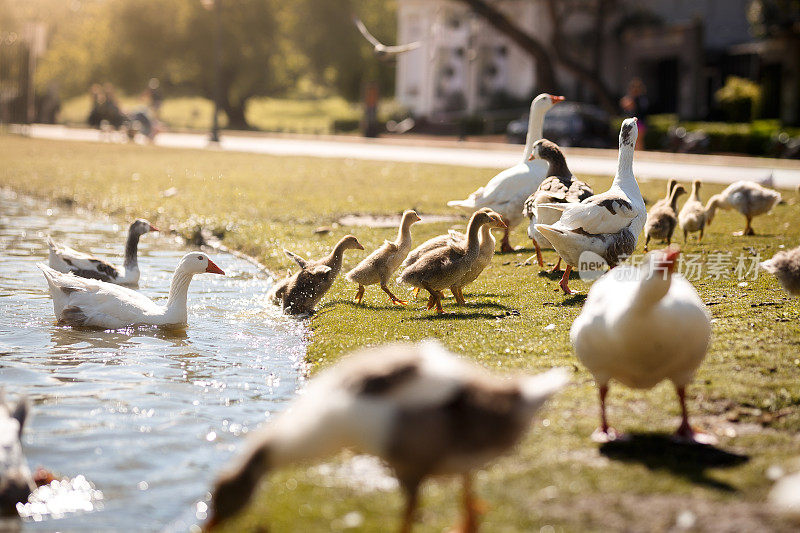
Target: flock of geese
point(422, 409)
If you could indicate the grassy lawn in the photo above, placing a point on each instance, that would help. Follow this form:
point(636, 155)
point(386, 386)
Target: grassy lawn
point(268, 114)
point(746, 391)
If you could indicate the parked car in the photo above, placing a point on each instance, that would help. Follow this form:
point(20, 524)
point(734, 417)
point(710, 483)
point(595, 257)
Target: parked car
point(569, 124)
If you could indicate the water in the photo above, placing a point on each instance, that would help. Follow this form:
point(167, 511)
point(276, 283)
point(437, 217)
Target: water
point(147, 416)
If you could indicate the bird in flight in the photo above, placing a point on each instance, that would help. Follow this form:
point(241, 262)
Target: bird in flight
point(381, 50)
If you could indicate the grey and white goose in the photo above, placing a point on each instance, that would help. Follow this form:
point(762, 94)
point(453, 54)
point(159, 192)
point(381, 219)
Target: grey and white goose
point(560, 186)
point(16, 481)
point(419, 407)
point(65, 259)
point(606, 224)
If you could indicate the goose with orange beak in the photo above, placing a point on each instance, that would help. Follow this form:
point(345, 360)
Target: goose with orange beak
point(506, 192)
point(96, 304)
point(640, 326)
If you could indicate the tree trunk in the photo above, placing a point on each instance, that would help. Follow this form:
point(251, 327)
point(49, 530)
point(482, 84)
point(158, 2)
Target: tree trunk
point(235, 114)
point(545, 73)
point(586, 75)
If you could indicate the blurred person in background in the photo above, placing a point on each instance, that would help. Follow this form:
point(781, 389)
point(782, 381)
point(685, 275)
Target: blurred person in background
point(636, 104)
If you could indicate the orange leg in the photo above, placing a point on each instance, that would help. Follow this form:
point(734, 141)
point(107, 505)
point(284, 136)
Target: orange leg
point(471, 508)
point(604, 433)
point(538, 253)
point(360, 294)
point(685, 431)
point(557, 267)
point(412, 500)
point(415, 292)
point(395, 299)
point(457, 295)
point(505, 245)
point(565, 280)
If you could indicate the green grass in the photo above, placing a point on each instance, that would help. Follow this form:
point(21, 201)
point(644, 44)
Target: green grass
point(746, 390)
point(268, 114)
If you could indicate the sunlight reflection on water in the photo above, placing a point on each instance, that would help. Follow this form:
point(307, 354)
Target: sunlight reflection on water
point(132, 410)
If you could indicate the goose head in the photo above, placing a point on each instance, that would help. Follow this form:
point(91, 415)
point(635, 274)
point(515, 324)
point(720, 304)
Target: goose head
point(545, 101)
point(487, 216)
point(409, 217)
point(140, 226)
point(628, 132)
point(545, 149)
point(656, 275)
point(349, 242)
point(198, 263)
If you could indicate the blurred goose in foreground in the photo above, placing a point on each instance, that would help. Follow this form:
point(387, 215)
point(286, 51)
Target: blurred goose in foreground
point(784, 497)
point(640, 326)
point(446, 267)
point(380, 50)
point(606, 224)
point(747, 197)
point(66, 260)
point(662, 218)
point(301, 292)
point(418, 407)
point(97, 304)
point(692, 216)
point(16, 481)
point(506, 192)
point(379, 266)
point(785, 265)
point(559, 187)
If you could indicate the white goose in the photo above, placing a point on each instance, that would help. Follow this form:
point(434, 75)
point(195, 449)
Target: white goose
point(419, 407)
point(16, 481)
point(506, 192)
point(65, 259)
point(748, 197)
point(97, 304)
point(640, 326)
point(607, 224)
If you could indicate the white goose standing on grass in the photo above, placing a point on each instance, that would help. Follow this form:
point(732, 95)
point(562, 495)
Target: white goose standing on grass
point(748, 197)
point(65, 259)
point(419, 407)
point(96, 304)
point(640, 326)
point(506, 192)
point(607, 224)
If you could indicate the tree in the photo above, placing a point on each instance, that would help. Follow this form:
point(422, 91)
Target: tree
point(544, 57)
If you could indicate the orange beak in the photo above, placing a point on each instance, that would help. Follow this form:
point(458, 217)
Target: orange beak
point(500, 222)
point(557, 99)
point(213, 268)
point(359, 246)
point(153, 228)
point(532, 157)
point(671, 258)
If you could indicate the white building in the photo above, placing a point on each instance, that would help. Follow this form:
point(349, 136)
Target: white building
point(463, 62)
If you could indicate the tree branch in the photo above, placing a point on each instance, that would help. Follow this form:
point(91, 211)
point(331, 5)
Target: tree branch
point(545, 73)
point(586, 75)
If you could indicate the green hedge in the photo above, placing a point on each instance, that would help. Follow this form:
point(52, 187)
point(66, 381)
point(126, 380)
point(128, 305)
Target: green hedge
point(754, 138)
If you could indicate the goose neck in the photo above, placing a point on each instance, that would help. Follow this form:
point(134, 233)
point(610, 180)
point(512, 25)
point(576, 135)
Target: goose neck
point(535, 124)
point(132, 250)
point(178, 291)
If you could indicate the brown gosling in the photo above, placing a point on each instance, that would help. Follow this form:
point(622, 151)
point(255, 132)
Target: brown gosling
point(662, 219)
point(748, 197)
point(443, 268)
point(485, 253)
point(379, 266)
point(303, 291)
point(423, 410)
point(692, 216)
point(785, 265)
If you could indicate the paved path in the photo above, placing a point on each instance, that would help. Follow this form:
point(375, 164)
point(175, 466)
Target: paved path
point(647, 165)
